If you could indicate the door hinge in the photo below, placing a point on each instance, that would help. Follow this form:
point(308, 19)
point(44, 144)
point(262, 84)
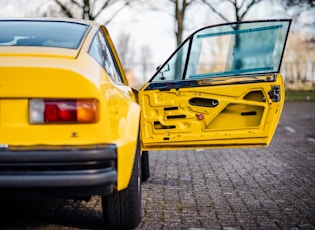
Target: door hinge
point(274, 93)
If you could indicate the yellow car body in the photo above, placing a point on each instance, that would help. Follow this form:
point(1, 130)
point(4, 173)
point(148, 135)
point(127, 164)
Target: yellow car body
point(71, 125)
point(46, 72)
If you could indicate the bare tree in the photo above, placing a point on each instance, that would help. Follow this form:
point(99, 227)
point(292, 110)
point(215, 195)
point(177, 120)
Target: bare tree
point(300, 10)
point(125, 50)
point(180, 10)
point(85, 9)
point(241, 8)
point(145, 60)
point(291, 3)
point(299, 63)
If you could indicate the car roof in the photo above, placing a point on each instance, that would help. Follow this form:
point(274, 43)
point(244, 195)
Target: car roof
point(82, 21)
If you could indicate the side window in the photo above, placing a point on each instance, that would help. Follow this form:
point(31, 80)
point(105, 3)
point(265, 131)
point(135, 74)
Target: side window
point(101, 52)
point(174, 68)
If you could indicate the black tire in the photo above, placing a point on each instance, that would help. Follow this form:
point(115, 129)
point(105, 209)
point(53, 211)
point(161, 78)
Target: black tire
point(145, 167)
point(122, 209)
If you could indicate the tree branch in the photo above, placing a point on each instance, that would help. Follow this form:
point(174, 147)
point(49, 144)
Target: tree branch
point(76, 3)
point(108, 3)
point(215, 11)
point(64, 9)
point(253, 2)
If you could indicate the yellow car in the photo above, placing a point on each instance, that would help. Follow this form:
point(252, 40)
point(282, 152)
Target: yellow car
point(71, 126)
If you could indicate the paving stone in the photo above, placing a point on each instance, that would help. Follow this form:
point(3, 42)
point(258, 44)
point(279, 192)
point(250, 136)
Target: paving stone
point(226, 189)
point(263, 188)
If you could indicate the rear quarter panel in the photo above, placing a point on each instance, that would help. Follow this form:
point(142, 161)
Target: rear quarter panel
point(44, 76)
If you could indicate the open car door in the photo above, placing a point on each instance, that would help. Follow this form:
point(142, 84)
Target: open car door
point(220, 88)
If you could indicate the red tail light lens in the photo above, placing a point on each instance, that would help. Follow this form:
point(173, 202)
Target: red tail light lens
point(60, 111)
point(63, 111)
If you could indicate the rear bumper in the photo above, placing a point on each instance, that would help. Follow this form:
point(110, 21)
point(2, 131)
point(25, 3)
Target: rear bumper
point(67, 171)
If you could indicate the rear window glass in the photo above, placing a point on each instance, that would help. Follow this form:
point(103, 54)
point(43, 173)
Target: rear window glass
point(42, 33)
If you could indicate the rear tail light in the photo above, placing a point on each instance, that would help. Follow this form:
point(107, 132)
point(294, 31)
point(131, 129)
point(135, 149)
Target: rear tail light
point(62, 111)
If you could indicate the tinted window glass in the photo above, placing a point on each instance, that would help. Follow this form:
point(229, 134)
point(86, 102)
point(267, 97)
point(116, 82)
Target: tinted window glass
point(101, 52)
point(42, 33)
point(175, 66)
point(237, 49)
point(233, 49)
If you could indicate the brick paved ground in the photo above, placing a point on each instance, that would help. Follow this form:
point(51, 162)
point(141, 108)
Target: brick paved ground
point(262, 188)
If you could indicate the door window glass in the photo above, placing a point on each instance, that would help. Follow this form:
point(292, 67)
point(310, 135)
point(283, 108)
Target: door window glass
point(233, 49)
point(174, 68)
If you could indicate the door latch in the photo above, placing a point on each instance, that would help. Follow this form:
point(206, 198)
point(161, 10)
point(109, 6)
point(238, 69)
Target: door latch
point(274, 93)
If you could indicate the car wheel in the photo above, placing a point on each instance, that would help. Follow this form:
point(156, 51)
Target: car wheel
point(122, 209)
point(145, 167)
